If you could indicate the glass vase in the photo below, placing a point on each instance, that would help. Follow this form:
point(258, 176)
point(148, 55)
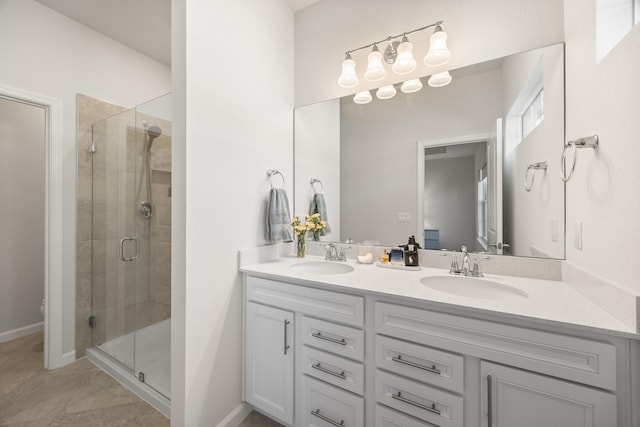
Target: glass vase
point(316, 236)
point(300, 246)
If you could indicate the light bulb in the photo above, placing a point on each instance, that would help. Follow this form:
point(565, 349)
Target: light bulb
point(348, 77)
point(362, 97)
point(386, 92)
point(411, 86)
point(440, 79)
point(405, 62)
point(375, 69)
point(438, 53)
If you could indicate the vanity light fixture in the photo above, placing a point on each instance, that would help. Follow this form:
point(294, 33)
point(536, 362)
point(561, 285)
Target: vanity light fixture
point(362, 97)
point(411, 86)
point(386, 92)
point(375, 69)
point(438, 53)
point(348, 77)
point(397, 53)
point(440, 79)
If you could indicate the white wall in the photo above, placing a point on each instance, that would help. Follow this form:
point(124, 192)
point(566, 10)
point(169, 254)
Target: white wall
point(22, 172)
point(603, 193)
point(234, 120)
point(46, 53)
point(478, 31)
point(450, 200)
point(317, 155)
point(531, 213)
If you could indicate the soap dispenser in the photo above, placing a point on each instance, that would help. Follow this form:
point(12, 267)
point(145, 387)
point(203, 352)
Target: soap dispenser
point(411, 253)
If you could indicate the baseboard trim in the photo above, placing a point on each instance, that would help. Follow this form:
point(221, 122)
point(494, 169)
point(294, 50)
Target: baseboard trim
point(21, 332)
point(68, 358)
point(236, 416)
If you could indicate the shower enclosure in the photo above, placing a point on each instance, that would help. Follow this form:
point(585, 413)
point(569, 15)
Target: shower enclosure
point(131, 248)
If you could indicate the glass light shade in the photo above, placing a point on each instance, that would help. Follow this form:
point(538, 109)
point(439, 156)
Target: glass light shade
point(362, 97)
point(348, 77)
point(440, 79)
point(411, 86)
point(405, 62)
point(375, 69)
point(386, 92)
point(438, 53)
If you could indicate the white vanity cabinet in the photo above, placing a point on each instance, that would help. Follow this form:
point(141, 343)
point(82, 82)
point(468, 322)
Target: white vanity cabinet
point(269, 356)
point(359, 359)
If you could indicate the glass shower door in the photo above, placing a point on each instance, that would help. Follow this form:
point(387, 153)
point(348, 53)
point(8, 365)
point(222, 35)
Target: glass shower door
point(115, 246)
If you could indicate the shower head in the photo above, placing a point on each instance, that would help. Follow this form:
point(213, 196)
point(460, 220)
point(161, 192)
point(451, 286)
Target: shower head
point(154, 132)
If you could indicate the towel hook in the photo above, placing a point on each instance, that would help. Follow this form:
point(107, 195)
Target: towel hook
point(532, 167)
point(271, 173)
point(314, 181)
point(586, 142)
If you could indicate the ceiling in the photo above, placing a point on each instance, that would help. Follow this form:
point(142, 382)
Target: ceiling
point(143, 25)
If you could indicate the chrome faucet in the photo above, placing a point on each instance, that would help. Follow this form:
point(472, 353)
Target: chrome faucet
point(465, 269)
point(465, 260)
point(331, 253)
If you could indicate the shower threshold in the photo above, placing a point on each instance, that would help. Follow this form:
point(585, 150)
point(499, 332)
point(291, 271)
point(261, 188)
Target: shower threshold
point(127, 378)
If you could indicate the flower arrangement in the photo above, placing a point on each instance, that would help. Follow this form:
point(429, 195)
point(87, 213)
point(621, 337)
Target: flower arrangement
point(312, 223)
point(315, 225)
point(300, 230)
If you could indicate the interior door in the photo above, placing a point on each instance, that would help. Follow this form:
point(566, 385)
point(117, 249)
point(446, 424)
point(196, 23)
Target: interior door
point(494, 190)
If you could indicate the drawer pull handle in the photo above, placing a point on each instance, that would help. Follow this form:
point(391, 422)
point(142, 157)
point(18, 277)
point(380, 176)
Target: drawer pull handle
point(317, 413)
point(329, 371)
point(433, 369)
point(333, 340)
point(431, 408)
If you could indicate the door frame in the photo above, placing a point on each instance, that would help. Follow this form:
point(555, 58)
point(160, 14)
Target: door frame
point(54, 215)
point(421, 145)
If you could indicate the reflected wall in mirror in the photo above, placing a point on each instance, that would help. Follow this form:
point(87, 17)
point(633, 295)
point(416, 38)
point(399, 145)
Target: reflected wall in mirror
point(392, 183)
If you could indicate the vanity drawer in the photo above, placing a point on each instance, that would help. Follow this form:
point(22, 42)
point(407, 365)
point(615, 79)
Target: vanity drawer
point(576, 359)
point(335, 306)
point(386, 417)
point(338, 339)
point(335, 370)
point(426, 403)
point(326, 405)
point(435, 367)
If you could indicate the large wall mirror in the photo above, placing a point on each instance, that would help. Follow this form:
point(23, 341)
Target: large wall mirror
point(475, 162)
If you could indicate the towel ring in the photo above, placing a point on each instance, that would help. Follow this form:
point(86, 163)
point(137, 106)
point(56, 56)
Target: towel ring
point(586, 142)
point(314, 181)
point(532, 167)
point(271, 173)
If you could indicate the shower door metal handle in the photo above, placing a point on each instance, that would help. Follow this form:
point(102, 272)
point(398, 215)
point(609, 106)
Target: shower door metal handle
point(121, 248)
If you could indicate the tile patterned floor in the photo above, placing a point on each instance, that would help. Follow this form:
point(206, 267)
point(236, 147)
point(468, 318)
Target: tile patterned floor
point(77, 395)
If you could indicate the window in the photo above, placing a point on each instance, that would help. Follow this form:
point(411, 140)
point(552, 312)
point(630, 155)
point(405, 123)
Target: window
point(614, 19)
point(533, 115)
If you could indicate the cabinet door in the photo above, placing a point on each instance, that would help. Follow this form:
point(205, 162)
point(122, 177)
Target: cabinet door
point(269, 361)
point(511, 397)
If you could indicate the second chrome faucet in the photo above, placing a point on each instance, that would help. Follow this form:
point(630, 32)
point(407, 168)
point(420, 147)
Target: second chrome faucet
point(331, 253)
point(465, 269)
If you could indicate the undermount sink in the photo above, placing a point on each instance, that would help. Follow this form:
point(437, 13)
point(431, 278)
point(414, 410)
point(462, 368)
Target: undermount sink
point(322, 267)
point(473, 287)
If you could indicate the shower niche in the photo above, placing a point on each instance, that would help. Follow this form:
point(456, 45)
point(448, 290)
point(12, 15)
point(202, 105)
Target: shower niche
point(130, 283)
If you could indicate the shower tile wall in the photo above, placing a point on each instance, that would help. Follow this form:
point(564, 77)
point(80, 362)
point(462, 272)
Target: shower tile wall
point(119, 308)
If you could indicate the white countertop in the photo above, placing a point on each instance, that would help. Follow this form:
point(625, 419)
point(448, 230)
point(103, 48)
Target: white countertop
point(549, 301)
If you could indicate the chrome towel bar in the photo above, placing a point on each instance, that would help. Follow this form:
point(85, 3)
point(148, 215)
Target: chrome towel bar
point(586, 142)
point(532, 167)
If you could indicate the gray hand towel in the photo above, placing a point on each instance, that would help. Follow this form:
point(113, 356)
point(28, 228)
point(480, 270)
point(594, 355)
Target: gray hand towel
point(318, 205)
point(278, 217)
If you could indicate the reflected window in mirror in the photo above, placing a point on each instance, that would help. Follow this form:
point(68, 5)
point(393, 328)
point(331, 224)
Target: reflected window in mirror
point(482, 206)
